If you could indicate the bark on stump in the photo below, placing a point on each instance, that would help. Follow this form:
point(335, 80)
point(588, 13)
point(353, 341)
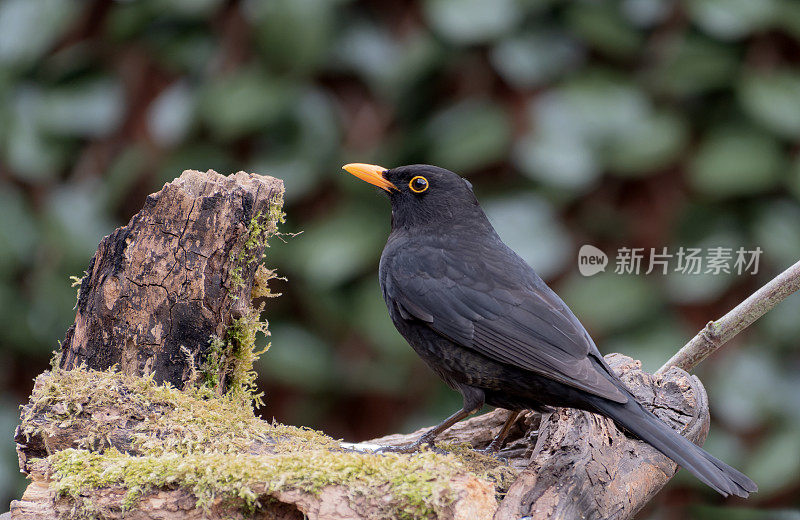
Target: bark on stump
point(172, 278)
point(180, 272)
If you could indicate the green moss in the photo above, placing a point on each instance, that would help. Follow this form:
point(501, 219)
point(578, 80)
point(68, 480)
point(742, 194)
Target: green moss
point(261, 280)
point(55, 358)
point(212, 365)
point(215, 447)
point(416, 483)
point(252, 248)
point(484, 465)
point(76, 282)
point(159, 418)
point(227, 365)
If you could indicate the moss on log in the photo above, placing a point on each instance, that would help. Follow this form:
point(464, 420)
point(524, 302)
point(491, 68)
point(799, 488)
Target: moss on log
point(128, 442)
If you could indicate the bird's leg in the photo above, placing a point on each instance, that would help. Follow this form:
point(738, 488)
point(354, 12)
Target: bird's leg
point(473, 401)
point(429, 436)
point(500, 438)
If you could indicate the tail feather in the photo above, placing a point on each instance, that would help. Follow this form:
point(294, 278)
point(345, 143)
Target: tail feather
point(710, 470)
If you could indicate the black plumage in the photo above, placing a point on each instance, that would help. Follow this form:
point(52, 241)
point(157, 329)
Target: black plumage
point(485, 322)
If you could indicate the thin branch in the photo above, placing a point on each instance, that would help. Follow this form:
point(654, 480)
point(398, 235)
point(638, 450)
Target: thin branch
point(717, 333)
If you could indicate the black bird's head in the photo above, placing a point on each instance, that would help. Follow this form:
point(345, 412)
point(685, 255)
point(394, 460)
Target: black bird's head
point(422, 194)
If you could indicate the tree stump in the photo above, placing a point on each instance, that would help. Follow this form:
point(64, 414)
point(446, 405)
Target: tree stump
point(167, 299)
point(182, 269)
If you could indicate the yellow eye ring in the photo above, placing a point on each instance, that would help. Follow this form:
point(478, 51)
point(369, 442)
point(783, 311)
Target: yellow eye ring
point(418, 184)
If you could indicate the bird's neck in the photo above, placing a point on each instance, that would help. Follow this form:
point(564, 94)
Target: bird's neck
point(456, 224)
point(441, 216)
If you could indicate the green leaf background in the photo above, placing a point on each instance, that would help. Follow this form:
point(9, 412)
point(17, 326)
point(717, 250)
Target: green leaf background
point(623, 123)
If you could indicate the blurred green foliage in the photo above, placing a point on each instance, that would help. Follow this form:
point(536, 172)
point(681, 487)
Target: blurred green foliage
point(623, 123)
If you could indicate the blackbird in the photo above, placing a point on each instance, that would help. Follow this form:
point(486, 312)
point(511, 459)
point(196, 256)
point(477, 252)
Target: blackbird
point(484, 321)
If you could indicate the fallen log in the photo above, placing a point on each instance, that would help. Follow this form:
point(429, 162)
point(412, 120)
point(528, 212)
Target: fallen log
point(577, 464)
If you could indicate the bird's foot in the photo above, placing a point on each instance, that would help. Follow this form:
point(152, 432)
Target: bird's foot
point(404, 448)
point(412, 447)
point(492, 451)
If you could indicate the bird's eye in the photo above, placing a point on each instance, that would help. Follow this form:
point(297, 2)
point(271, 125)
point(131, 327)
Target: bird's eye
point(418, 184)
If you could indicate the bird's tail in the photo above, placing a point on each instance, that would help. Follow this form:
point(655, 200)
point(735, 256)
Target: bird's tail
point(710, 470)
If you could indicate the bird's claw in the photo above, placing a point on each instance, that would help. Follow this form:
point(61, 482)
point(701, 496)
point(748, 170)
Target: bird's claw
point(405, 448)
point(411, 448)
point(493, 447)
point(492, 452)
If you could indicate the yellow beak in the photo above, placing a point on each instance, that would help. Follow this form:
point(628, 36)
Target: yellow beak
point(370, 173)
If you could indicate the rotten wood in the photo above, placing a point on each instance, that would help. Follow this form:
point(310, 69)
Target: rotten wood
point(473, 500)
point(579, 465)
point(166, 280)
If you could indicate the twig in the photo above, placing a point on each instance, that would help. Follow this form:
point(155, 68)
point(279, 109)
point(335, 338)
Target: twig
point(717, 333)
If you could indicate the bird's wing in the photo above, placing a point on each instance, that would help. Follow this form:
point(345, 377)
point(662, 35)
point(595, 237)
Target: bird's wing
point(494, 303)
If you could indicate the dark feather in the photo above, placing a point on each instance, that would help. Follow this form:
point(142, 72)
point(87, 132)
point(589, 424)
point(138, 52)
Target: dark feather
point(508, 315)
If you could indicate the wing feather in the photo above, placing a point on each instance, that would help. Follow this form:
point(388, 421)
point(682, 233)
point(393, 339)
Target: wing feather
point(502, 310)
